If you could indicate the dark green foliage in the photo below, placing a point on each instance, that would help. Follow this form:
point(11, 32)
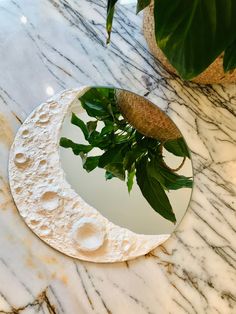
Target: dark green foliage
point(152, 190)
point(192, 33)
point(142, 4)
point(126, 153)
point(177, 147)
point(230, 57)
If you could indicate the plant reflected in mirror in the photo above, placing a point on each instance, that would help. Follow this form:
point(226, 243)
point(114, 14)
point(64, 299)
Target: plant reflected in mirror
point(130, 134)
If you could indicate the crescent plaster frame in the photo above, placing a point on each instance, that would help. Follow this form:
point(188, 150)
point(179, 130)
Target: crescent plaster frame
point(49, 205)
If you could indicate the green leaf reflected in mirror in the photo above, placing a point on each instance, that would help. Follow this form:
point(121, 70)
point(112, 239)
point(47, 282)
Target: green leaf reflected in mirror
point(116, 130)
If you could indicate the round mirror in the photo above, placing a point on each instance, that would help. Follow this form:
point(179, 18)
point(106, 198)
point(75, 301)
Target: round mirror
point(126, 158)
point(100, 174)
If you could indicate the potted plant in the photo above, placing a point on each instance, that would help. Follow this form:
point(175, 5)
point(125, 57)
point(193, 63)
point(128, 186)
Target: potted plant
point(194, 38)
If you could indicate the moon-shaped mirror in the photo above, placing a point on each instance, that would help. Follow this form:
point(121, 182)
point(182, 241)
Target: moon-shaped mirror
point(101, 174)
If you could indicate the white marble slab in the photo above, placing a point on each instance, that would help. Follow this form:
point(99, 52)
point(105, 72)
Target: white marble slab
point(48, 45)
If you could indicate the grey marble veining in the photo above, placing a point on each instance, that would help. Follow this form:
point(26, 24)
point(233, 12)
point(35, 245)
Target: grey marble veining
point(49, 45)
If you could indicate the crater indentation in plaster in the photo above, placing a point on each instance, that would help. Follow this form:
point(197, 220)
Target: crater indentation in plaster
point(34, 221)
point(21, 159)
point(18, 189)
point(43, 118)
point(88, 234)
point(25, 133)
point(45, 230)
point(42, 162)
point(50, 200)
point(53, 105)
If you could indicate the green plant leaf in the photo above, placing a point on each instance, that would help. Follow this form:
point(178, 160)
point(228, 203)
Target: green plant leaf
point(78, 122)
point(110, 13)
point(142, 4)
point(148, 143)
point(97, 140)
point(107, 129)
point(108, 175)
point(77, 148)
point(132, 156)
point(117, 170)
point(94, 110)
point(168, 179)
point(229, 61)
point(193, 33)
point(113, 155)
point(92, 102)
point(91, 163)
point(138, 136)
point(91, 126)
point(177, 147)
point(153, 191)
point(100, 103)
point(130, 179)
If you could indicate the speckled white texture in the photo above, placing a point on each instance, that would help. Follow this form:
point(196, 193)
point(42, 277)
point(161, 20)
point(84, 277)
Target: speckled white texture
point(50, 207)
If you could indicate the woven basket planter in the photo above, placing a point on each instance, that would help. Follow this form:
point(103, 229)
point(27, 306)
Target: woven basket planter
point(145, 117)
point(212, 75)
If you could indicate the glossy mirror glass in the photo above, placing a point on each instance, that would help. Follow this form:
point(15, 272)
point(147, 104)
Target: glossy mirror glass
point(126, 157)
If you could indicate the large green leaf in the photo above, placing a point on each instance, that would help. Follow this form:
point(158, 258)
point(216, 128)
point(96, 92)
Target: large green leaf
point(153, 191)
point(178, 147)
point(78, 122)
point(192, 33)
point(93, 103)
point(168, 179)
point(142, 4)
point(77, 148)
point(230, 57)
point(93, 109)
point(99, 102)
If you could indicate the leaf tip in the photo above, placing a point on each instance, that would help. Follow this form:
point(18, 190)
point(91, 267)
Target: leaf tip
point(63, 141)
point(173, 219)
point(108, 38)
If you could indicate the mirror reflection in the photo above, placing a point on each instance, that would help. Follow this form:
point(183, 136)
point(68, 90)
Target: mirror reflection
point(125, 157)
